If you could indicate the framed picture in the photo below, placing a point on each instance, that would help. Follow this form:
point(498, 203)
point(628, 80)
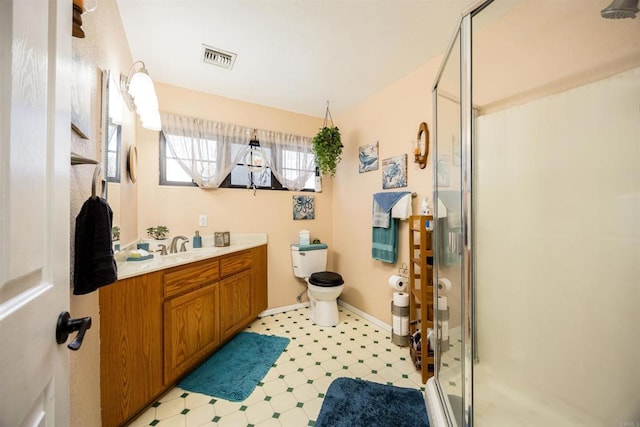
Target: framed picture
point(303, 207)
point(368, 155)
point(82, 87)
point(394, 172)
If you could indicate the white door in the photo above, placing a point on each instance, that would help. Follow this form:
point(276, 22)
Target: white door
point(35, 47)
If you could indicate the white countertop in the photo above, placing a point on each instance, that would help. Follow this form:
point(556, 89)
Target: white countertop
point(239, 242)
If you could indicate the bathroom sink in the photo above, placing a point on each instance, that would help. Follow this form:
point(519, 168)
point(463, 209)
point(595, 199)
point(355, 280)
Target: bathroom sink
point(180, 256)
point(191, 254)
point(209, 250)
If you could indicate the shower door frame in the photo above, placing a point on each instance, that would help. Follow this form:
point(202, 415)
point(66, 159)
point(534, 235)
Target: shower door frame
point(468, 305)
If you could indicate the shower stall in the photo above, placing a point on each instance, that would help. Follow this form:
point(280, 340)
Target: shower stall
point(537, 182)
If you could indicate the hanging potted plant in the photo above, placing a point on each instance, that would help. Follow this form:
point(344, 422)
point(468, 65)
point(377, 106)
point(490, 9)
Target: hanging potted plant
point(327, 146)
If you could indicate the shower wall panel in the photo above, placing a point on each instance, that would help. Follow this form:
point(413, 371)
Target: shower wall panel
point(557, 199)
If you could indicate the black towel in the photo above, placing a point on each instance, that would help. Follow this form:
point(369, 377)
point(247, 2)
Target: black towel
point(94, 265)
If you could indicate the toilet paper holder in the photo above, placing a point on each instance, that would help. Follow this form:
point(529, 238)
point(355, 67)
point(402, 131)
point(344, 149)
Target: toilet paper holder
point(396, 336)
point(400, 281)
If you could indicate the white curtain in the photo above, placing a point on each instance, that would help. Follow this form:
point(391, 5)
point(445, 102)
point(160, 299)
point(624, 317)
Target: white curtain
point(206, 150)
point(291, 161)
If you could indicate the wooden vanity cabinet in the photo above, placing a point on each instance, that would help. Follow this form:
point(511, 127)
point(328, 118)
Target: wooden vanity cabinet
point(235, 303)
point(157, 327)
point(235, 293)
point(191, 316)
point(259, 284)
point(131, 346)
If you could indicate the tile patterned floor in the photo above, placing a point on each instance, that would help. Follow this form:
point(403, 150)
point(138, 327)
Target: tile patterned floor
point(291, 393)
point(451, 366)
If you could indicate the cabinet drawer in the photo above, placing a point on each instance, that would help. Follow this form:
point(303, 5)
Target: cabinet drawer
point(184, 279)
point(235, 263)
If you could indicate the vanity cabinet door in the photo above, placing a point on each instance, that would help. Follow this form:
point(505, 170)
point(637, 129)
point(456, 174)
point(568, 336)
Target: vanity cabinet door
point(259, 269)
point(131, 371)
point(235, 302)
point(191, 330)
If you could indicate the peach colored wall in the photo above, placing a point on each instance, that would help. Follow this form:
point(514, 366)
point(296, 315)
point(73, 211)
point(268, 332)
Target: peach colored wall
point(104, 47)
point(391, 117)
point(234, 210)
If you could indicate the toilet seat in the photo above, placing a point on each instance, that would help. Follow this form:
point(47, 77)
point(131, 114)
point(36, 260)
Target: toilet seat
point(326, 279)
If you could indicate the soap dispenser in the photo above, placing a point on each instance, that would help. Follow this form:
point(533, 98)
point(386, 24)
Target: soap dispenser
point(197, 240)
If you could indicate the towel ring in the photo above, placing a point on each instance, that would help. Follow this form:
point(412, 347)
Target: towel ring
point(77, 159)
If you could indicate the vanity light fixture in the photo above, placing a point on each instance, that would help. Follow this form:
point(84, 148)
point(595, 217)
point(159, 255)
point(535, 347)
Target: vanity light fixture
point(139, 94)
point(421, 146)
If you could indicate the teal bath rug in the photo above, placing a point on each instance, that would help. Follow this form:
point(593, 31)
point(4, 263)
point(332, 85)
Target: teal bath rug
point(234, 371)
point(354, 403)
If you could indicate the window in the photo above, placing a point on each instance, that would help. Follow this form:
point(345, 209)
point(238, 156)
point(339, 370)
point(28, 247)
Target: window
point(171, 173)
point(289, 161)
point(113, 152)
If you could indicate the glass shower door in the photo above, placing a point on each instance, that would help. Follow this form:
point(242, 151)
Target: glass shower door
point(449, 242)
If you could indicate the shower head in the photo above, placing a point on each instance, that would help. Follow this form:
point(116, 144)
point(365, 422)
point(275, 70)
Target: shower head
point(619, 9)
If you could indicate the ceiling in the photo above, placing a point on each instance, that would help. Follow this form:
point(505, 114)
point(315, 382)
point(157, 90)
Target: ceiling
point(291, 54)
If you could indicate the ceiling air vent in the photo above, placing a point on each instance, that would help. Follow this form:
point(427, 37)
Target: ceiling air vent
point(212, 55)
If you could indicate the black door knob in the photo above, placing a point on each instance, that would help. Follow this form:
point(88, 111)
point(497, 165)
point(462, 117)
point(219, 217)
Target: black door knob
point(67, 325)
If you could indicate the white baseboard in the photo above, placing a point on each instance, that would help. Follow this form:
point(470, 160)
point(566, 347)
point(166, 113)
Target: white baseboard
point(283, 309)
point(370, 318)
point(375, 321)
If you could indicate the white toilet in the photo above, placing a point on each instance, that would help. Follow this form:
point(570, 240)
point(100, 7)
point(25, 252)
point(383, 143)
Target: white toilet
point(323, 287)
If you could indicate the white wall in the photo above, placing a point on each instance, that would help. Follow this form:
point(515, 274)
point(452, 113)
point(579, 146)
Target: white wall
point(558, 235)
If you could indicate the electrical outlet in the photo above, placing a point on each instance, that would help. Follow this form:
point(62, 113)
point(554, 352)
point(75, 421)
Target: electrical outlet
point(203, 220)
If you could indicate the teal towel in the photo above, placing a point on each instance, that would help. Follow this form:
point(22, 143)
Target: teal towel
point(387, 199)
point(384, 245)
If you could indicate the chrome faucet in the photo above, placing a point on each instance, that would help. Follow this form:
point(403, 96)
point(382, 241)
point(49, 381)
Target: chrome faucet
point(162, 249)
point(173, 248)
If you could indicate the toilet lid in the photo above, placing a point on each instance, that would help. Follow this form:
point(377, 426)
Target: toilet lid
point(326, 279)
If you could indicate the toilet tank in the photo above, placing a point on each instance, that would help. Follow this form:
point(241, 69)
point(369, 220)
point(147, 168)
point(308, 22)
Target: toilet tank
point(308, 259)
